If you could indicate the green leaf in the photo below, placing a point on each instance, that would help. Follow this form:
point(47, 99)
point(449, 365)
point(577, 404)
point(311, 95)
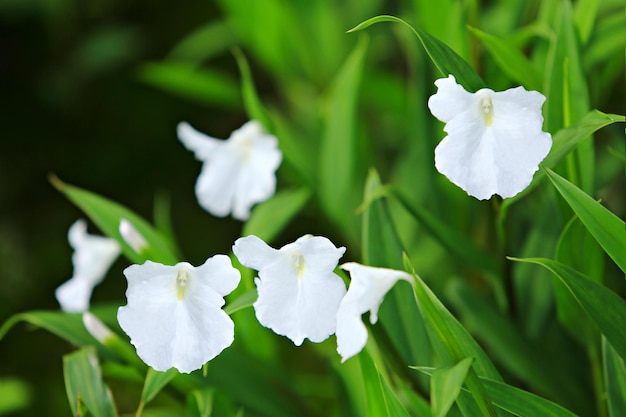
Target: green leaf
point(83, 383)
point(381, 400)
point(271, 217)
point(107, 215)
point(585, 13)
point(614, 380)
point(445, 385)
point(203, 43)
point(464, 249)
point(453, 343)
point(382, 247)
point(203, 401)
point(190, 82)
point(604, 226)
point(245, 300)
point(155, 382)
point(514, 400)
point(15, 395)
point(510, 60)
point(338, 150)
point(251, 100)
point(445, 59)
point(604, 307)
point(69, 327)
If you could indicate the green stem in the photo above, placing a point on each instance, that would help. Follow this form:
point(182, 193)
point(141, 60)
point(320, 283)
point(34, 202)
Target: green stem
point(140, 409)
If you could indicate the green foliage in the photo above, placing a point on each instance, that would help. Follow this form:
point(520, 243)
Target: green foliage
point(478, 313)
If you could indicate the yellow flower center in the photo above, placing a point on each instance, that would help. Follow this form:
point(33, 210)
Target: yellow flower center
point(182, 282)
point(486, 107)
point(298, 262)
point(243, 145)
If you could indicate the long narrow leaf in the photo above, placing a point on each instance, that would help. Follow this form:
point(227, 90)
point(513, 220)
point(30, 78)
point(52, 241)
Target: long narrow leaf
point(604, 307)
point(614, 380)
point(83, 383)
point(107, 215)
point(445, 59)
point(446, 383)
point(608, 229)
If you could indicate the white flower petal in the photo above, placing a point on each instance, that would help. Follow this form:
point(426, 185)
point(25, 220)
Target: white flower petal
point(238, 172)
point(495, 140)
point(299, 293)
point(368, 287)
point(132, 236)
point(92, 258)
point(174, 316)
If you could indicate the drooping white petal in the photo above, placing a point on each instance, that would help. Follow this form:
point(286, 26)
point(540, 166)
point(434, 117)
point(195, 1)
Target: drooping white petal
point(495, 140)
point(367, 290)
point(238, 172)
point(92, 258)
point(132, 236)
point(97, 328)
point(174, 316)
point(299, 293)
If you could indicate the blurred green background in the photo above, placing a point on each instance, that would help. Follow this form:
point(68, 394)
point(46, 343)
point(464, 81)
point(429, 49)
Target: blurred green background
point(93, 91)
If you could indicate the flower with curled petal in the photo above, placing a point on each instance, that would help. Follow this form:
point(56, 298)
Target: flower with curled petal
point(495, 140)
point(367, 290)
point(92, 258)
point(299, 293)
point(174, 316)
point(238, 172)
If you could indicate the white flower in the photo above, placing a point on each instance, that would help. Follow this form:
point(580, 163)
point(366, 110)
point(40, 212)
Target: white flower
point(92, 258)
point(174, 316)
point(97, 328)
point(132, 236)
point(238, 172)
point(299, 293)
point(495, 139)
point(368, 287)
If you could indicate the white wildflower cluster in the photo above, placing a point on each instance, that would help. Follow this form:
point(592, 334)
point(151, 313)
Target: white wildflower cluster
point(174, 315)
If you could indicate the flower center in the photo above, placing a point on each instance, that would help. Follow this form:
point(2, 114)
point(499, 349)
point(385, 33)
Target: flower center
point(298, 263)
point(243, 145)
point(182, 282)
point(486, 107)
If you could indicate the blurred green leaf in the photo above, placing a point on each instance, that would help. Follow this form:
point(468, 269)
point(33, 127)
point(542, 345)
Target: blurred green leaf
point(155, 381)
point(202, 402)
point(457, 244)
point(445, 385)
point(585, 13)
point(511, 60)
point(381, 400)
point(445, 59)
point(251, 100)
point(190, 82)
point(567, 93)
point(203, 43)
point(271, 217)
point(69, 327)
point(107, 215)
point(614, 380)
point(15, 395)
point(603, 306)
point(244, 300)
point(604, 226)
point(338, 182)
point(83, 383)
